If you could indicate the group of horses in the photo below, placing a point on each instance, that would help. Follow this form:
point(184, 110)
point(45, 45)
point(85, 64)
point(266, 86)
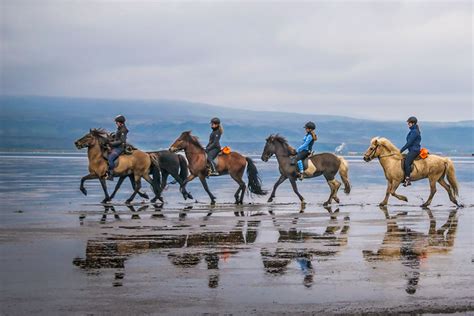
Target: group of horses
point(156, 166)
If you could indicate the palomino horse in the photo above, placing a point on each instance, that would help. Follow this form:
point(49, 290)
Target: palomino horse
point(434, 167)
point(170, 164)
point(325, 164)
point(232, 164)
point(138, 163)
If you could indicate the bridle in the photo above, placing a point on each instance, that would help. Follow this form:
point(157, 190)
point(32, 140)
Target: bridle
point(380, 156)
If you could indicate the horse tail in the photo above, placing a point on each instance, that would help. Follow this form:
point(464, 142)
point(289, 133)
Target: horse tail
point(255, 183)
point(155, 170)
point(183, 167)
point(344, 173)
point(451, 175)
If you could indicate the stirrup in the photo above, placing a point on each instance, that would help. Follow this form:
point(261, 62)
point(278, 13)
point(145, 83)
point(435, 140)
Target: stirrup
point(407, 182)
point(109, 176)
point(300, 176)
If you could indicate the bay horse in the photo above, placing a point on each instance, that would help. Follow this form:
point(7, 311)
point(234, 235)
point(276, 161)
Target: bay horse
point(138, 163)
point(325, 164)
point(170, 164)
point(434, 167)
point(233, 164)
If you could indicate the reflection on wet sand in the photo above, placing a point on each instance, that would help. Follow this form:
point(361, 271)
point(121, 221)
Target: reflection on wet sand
point(185, 251)
point(411, 247)
point(304, 246)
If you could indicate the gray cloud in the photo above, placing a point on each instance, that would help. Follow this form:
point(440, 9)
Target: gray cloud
point(364, 59)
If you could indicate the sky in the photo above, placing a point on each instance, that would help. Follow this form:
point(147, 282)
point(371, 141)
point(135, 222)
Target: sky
point(364, 59)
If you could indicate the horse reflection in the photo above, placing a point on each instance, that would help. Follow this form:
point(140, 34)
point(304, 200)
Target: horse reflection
point(303, 247)
point(410, 247)
point(184, 251)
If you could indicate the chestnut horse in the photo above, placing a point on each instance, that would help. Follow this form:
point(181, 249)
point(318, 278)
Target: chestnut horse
point(233, 164)
point(138, 163)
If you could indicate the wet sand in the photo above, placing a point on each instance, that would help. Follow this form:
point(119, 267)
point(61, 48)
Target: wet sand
point(62, 253)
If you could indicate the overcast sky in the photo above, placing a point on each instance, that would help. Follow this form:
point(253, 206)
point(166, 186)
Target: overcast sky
point(380, 60)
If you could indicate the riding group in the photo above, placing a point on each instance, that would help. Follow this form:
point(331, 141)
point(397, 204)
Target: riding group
point(110, 156)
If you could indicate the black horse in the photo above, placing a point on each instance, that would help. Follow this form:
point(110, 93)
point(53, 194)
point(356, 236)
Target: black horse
point(170, 164)
point(326, 164)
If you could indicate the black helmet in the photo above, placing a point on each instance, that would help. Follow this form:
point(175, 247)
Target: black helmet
point(412, 119)
point(310, 125)
point(215, 120)
point(120, 118)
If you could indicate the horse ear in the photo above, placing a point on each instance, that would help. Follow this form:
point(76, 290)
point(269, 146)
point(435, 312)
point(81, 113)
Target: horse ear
point(90, 130)
point(376, 141)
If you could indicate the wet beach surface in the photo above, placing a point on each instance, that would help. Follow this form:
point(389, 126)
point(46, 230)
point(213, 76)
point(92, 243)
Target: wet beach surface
point(62, 252)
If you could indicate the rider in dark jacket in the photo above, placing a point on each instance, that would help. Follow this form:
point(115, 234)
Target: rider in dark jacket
point(305, 149)
point(413, 146)
point(117, 144)
point(214, 146)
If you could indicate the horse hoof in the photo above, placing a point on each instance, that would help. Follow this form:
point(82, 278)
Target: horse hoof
point(153, 200)
point(213, 202)
point(105, 201)
point(128, 202)
point(424, 205)
point(336, 200)
point(270, 200)
point(84, 191)
point(326, 203)
point(382, 204)
point(145, 196)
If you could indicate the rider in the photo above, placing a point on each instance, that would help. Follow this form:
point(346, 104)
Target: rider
point(117, 144)
point(413, 146)
point(214, 147)
point(305, 149)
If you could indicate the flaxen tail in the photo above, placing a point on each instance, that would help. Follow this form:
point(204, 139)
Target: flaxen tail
point(344, 173)
point(451, 175)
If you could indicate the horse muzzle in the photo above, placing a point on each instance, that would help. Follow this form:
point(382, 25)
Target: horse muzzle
point(366, 159)
point(78, 145)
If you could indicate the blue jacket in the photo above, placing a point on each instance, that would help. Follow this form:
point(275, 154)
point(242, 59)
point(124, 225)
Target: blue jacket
point(308, 142)
point(413, 140)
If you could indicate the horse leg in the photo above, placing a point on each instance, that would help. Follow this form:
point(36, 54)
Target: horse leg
point(279, 181)
point(448, 188)
point(104, 187)
point(387, 194)
point(204, 184)
point(117, 186)
point(164, 179)
point(156, 190)
point(337, 185)
point(239, 199)
point(90, 176)
point(182, 188)
point(395, 185)
point(183, 184)
point(432, 192)
point(295, 189)
point(332, 186)
point(138, 185)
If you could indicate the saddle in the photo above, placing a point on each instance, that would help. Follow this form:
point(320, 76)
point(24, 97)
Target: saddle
point(423, 155)
point(305, 161)
point(128, 150)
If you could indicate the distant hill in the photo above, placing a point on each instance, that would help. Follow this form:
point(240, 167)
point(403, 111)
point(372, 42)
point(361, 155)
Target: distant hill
point(31, 122)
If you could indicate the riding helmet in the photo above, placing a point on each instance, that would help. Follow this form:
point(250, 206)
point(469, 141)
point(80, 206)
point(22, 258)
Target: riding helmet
point(412, 119)
point(310, 125)
point(120, 118)
point(215, 120)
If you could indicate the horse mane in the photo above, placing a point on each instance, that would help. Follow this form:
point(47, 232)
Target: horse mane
point(192, 139)
point(386, 143)
point(101, 134)
point(283, 141)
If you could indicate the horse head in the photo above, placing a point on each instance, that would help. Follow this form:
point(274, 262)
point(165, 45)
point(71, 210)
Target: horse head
point(269, 149)
point(372, 151)
point(90, 139)
point(182, 141)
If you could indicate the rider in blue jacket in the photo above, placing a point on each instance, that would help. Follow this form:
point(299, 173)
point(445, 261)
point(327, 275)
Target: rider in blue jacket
point(305, 149)
point(413, 146)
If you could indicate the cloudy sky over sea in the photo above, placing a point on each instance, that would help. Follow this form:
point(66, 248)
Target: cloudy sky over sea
point(380, 59)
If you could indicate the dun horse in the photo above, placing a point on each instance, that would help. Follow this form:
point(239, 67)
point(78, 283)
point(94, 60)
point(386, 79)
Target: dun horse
point(138, 163)
point(325, 164)
point(233, 164)
point(170, 164)
point(434, 167)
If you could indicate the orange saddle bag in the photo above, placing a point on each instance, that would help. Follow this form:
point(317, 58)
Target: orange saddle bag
point(424, 153)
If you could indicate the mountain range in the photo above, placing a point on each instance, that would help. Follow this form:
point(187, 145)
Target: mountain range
point(53, 123)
